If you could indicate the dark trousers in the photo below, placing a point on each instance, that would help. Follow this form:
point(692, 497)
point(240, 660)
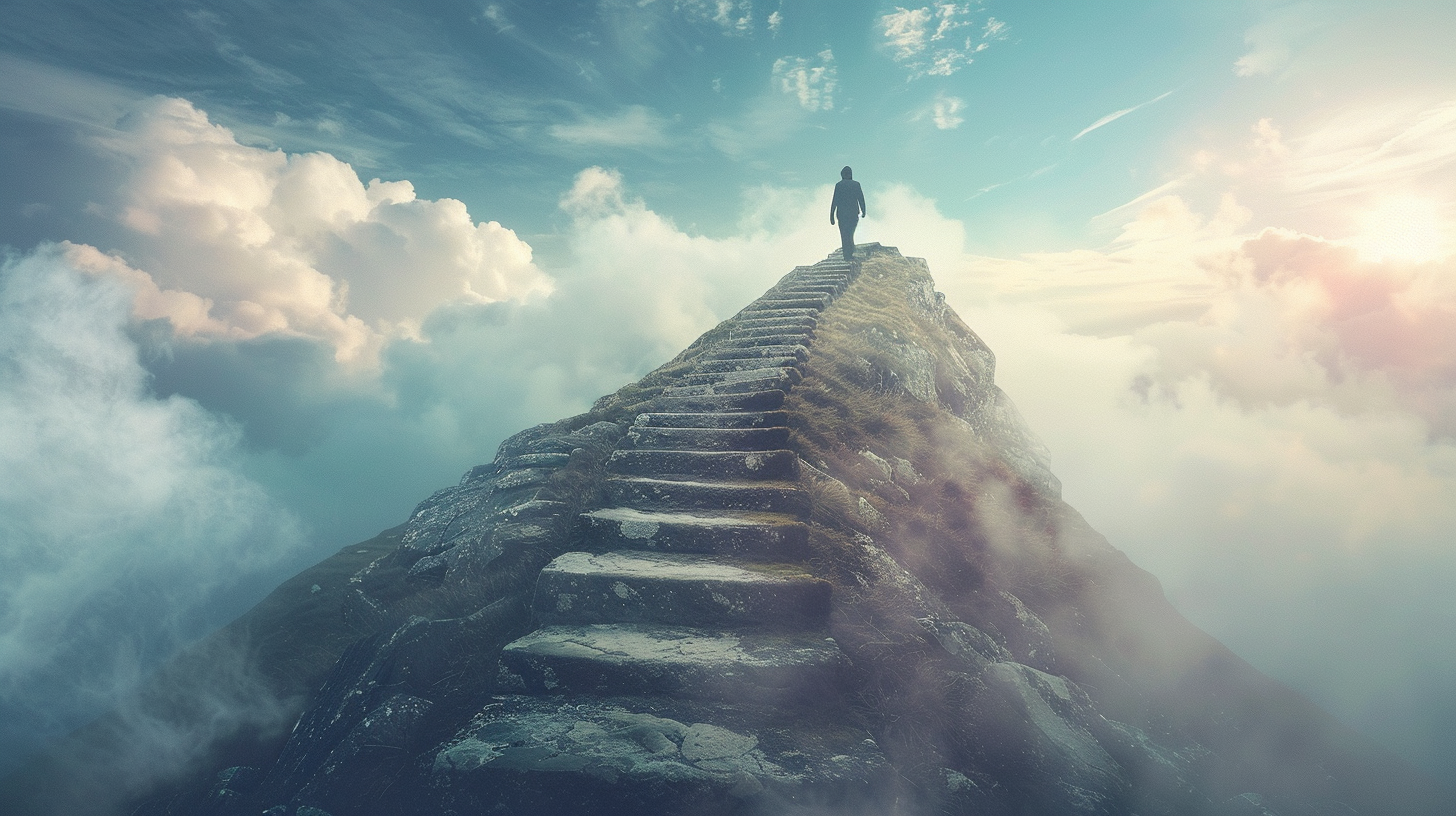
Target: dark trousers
point(846, 235)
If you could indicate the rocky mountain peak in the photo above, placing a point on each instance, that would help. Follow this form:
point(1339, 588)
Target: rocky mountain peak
point(816, 563)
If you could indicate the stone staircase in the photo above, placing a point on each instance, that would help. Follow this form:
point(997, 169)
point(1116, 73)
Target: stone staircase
point(688, 651)
point(695, 586)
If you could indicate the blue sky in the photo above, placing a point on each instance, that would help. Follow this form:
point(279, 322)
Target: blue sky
point(276, 271)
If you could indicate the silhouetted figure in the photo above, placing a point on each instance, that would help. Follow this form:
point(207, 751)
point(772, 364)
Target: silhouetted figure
point(849, 204)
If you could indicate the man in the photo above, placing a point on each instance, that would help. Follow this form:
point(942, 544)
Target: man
point(849, 203)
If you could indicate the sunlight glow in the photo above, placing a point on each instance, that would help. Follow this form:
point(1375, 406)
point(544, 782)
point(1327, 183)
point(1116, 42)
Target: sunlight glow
point(1404, 228)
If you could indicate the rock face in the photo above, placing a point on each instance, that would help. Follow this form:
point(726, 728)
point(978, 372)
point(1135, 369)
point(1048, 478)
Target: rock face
point(814, 564)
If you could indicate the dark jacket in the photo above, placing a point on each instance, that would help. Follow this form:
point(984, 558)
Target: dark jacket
point(848, 200)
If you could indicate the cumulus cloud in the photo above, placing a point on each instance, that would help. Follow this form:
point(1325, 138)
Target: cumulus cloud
point(267, 242)
point(122, 516)
point(1333, 176)
point(812, 80)
point(1263, 419)
point(938, 40)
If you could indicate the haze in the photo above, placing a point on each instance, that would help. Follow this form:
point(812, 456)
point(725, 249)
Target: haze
point(275, 272)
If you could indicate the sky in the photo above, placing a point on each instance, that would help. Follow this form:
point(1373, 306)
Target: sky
point(274, 272)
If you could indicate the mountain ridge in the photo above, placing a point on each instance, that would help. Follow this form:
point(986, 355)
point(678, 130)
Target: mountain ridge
point(913, 620)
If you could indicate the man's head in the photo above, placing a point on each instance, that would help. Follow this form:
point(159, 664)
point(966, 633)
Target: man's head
point(846, 173)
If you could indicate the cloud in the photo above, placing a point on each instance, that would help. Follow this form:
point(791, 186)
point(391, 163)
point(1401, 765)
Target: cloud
point(926, 41)
point(1378, 176)
point(260, 241)
point(1115, 115)
point(634, 126)
point(1265, 418)
point(812, 80)
point(59, 93)
point(123, 517)
point(945, 112)
point(1273, 40)
point(732, 16)
point(775, 21)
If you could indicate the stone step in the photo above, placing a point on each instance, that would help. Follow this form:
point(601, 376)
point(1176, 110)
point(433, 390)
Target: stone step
point(781, 338)
point(528, 754)
point(758, 536)
point(776, 465)
point(810, 280)
point(744, 364)
point(720, 419)
point(738, 332)
point(739, 375)
point(644, 659)
point(740, 387)
point(815, 303)
point(646, 437)
point(734, 351)
point(636, 586)
point(788, 323)
point(750, 401)
point(801, 288)
point(642, 493)
point(775, 313)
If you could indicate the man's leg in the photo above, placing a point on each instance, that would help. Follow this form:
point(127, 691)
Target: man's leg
point(846, 236)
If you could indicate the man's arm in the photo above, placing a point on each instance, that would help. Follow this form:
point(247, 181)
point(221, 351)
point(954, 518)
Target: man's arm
point(833, 204)
point(862, 210)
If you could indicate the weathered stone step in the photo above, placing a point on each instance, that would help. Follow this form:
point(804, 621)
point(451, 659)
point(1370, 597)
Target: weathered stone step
point(806, 288)
point(718, 419)
point(788, 323)
point(777, 465)
point(810, 280)
point(744, 364)
point(741, 387)
point(636, 586)
point(526, 754)
point(646, 659)
point(758, 536)
point(734, 351)
point(777, 339)
point(818, 279)
point(646, 437)
point(642, 493)
point(803, 302)
point(739, 375)
point(776, 313)
point(770, 331)
point(751, 401)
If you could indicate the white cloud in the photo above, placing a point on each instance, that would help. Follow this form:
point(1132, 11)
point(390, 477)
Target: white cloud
point(1377, 175)
point(1115, 115)
point(775, 22)
point(271, 242)
point(634, 126)
point(1273, 40)
point(812, 80)
point(1264, 418)
point(122, 516)
point(945, 112)
point(733, 16)
point(930, 39)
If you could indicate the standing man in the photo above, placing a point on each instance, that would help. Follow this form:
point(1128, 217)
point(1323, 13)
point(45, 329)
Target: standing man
point(850, 205)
